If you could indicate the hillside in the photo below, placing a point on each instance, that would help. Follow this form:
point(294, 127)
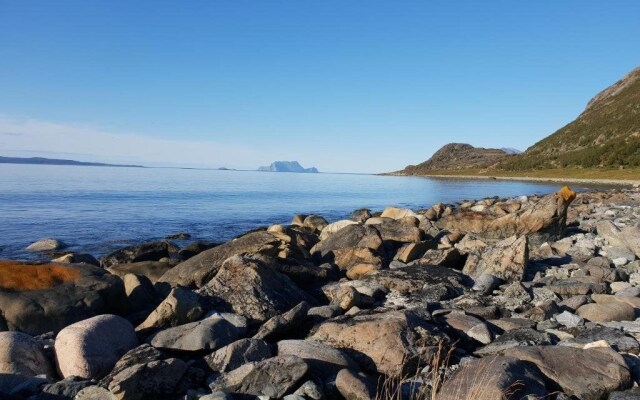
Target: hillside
point(458, 156)
point(605, 135)
point(56, 161)
point(288, 166)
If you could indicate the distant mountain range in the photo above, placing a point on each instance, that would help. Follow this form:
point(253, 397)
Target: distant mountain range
point(605, 135)
point(55, 161)
point(288, 166)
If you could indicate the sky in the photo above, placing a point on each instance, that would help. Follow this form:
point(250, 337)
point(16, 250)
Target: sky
point(345, 86)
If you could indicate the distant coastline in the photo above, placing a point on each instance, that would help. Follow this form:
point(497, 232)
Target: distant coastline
point(56, 161)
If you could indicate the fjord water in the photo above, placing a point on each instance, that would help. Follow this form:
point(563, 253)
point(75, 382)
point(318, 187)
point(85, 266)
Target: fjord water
point(99, 209)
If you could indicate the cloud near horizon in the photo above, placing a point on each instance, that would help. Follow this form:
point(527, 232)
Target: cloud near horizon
point(32, 137)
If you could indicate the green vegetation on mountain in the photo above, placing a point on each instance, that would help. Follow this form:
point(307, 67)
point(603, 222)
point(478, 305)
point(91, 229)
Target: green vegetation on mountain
point(605, 135)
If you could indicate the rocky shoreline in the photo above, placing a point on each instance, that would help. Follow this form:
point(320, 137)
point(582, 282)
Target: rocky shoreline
point(489, 299)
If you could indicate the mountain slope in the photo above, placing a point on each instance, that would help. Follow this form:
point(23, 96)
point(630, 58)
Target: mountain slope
point(605, 135)
point(56, 161)
point(456, 156)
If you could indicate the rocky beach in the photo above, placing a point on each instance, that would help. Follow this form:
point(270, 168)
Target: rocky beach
point(526, 297)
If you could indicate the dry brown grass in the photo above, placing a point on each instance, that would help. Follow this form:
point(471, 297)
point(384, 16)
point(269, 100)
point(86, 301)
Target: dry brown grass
point(17, 277)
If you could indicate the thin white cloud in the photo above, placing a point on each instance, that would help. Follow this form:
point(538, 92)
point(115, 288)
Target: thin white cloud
point(31, 137)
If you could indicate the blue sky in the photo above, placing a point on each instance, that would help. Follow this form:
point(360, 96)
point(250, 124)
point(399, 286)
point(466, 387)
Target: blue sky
point(344, 86)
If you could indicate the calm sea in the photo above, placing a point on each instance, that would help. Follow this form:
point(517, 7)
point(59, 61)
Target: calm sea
point(99, 209)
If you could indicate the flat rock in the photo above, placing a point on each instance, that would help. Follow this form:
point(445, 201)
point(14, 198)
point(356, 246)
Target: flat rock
point(200, 269)
point(587, 374)
point(421, 283)
point(514, 338)
point(596, 312)
point(209, 334)
point(89, 349)
point(149, 380)
point(40, 298)
point(614, 337)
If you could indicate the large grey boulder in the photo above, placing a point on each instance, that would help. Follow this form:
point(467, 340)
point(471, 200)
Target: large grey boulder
point(280, 325)
point(273, 377)
point(252, 288)
point(493, 378)
point(627, 237)
point(200, 269)
point(209, 334)
point(89, 349)
point(506, 260)
point(21, 354)
point(587, 374)
point(323, 360)
point(150, 380)
point(40, 298)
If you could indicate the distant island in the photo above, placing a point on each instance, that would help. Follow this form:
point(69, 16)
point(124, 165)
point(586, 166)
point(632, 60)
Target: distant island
point(55, 161)
point(288, 166)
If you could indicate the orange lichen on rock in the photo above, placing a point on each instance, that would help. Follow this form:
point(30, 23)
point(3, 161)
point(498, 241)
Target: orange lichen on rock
point(567, 194)
point(17, 276)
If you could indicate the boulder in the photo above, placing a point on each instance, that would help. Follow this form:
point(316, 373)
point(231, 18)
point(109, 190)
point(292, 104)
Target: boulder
point(315, 223)
point(361, 215)
point(89, 349)
point(273, 377)
point(514, 338)
point(605, 312)
point(627, 237)
point(355, 386)
point(353, 235)
point(77, 258)
point(506, 259)
point(39, 298)
point(180, 307)
point(323, 360)
point(48, 244)
point(397, 213)
point(587, 374)
point(385, 342)
point(280, 325)
point(493, 378)
point(614, 338)
point(148, 380)
point(250, 287)
point(413, 251)
point(153, 270)
point(21, 354)
point(450, 258)
point(399, 230)
point(543, 220)
point(238, 353)
point(65, 389)
point(195, 248)
point(152, 251)
point(335, 227)
point(200, 269)
point(468, 326)
point(139, 289)
point(145, 373)
point(421, 284)
point(209, 334)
